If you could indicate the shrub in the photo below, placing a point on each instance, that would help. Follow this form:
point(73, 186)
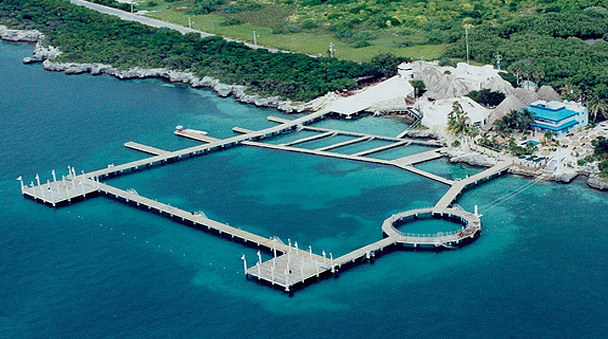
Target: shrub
point(233, 8)
point(231, 22)
point(361, 43)
point(309, 24)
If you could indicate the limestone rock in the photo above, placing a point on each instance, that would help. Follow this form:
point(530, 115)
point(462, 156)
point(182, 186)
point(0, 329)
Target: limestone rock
point(20, 35)
point(596, 182)
point(566, 176)
point(472, 158)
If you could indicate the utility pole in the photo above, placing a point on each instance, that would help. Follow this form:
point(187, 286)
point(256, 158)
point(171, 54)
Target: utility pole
point(466, 35)
point(331, 49)
point(131, 7)
point(498, 58)
point(255, 38)
point(189, 23)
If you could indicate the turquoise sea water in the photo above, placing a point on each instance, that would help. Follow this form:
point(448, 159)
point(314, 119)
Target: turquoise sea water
point(99, 268)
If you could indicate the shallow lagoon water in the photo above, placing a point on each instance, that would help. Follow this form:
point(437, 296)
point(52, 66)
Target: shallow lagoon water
point(100, 268)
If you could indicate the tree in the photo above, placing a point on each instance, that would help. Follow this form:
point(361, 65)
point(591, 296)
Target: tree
point(525, 120)
point(597, 106)
point(386, 64)
point(487, 97)
point(458, 122)
point(419, 87)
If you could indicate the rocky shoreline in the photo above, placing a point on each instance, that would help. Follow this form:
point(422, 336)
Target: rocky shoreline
point(46, 55)
point(459, 155)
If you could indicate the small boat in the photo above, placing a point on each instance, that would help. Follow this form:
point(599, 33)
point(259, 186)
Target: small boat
point(181, 129)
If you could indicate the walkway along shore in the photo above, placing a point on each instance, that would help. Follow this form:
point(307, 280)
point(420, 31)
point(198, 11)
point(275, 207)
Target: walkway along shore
point(290, 267)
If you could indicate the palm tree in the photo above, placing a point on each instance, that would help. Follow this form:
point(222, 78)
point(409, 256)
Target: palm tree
point(457, 120)
point(597, 105)
point(525, 120)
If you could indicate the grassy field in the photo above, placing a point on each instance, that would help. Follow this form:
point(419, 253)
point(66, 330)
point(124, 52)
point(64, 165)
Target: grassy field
point(314, 42)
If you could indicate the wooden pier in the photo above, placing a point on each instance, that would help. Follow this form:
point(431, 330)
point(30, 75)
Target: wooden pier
point(460, 185)
point(345, 143)
point(289, 266)
point(145, 148)
point(311, 138)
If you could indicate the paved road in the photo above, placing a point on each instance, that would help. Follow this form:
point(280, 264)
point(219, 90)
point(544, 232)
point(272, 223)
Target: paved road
point(134, 17)
point(151, 22)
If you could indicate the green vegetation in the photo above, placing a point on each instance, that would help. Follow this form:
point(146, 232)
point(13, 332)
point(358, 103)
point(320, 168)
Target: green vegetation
point(559, 43)
point(515, 149)
point(489, 142)
point(549, 139)
point(458, 122)
point(87, 36)
point(600, 153)
point(487, 97)
point(113, 3)
point(515, 121)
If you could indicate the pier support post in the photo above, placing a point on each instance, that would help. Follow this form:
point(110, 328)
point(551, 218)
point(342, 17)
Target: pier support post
point(310, 252)
point(244, 265)
point(272, 275)
point(21, 182)
point(331, 258)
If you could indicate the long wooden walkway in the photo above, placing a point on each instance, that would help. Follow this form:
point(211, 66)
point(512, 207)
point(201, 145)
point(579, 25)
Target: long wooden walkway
point(382, 148)
point(289, 266)
point(460, 185)
point(357, 134)
point(196, 219)
point(345, 143)
point(418, 158)
point(311, 138)
point(145, 148)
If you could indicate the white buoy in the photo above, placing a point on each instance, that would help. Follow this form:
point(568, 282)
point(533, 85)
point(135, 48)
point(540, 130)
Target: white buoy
point(244, 263)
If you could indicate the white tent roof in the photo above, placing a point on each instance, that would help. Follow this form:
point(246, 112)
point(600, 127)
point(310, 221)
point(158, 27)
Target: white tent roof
point(547, 93)
point(394, 89)
point(435, 114)
point(448, 86)
point(510, 103)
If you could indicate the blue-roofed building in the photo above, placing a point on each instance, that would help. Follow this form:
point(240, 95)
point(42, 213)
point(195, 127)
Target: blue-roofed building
point(558, 117)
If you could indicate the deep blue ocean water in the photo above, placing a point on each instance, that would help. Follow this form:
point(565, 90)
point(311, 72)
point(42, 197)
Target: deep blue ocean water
point(99, 268)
